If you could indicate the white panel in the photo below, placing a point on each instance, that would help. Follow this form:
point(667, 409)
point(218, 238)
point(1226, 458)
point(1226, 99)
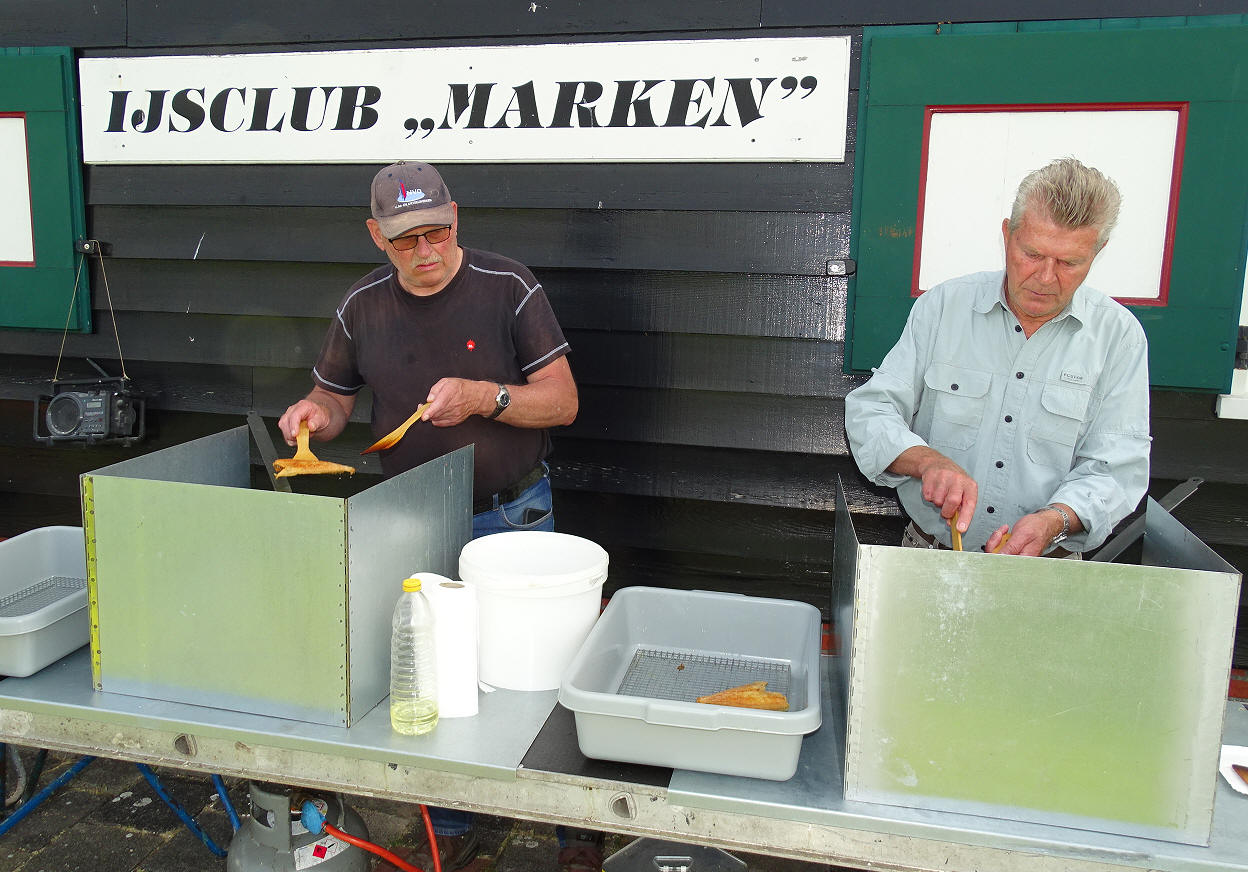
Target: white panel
point(977, 159)
point(692, 100)
point(17, 240)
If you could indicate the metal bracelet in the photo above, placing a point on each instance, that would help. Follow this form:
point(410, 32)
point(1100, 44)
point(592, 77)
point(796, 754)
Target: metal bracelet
point(1065, 522)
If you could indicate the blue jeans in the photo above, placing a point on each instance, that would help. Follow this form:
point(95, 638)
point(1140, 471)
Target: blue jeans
point(535, 503)
point(500, 519)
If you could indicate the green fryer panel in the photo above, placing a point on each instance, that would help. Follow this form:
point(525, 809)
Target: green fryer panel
point(221, 596)
point(1077, 693)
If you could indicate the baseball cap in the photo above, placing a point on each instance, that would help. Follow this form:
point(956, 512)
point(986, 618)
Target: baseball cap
point(410, 194)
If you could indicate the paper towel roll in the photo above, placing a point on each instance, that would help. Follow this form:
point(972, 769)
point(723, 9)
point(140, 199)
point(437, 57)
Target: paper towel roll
point(454, 606)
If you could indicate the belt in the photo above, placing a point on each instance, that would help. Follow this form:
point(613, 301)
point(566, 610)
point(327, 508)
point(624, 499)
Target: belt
point(509, 494)
point(1059, 552)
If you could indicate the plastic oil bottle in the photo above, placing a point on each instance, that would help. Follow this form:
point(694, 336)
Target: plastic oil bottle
point(413, 665)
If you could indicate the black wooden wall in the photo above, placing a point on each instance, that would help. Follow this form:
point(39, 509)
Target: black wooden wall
point(707, 338)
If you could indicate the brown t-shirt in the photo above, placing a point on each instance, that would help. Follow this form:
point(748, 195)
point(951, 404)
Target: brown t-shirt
point(492, 322)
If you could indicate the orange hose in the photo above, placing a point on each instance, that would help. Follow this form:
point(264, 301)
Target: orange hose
point(433, 840)
point(376, 849)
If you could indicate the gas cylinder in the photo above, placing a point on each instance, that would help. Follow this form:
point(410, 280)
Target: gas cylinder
point(273, 839)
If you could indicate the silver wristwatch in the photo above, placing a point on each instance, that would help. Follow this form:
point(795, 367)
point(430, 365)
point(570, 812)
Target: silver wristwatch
point(1060, 537)
point(501, 401)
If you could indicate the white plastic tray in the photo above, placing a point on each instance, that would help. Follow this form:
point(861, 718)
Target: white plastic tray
point(633, 685)
point(43, 598)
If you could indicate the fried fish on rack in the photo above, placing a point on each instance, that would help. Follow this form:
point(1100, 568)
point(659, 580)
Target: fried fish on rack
point(752, 695)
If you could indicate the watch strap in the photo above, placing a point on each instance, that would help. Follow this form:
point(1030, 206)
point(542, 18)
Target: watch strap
point(1065, 531)
point(501, 401)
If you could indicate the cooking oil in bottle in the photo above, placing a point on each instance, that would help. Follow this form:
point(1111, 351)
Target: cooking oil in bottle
point(413, 664)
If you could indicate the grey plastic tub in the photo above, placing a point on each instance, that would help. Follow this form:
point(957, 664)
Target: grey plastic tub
point(43, 598)
point(632, 686)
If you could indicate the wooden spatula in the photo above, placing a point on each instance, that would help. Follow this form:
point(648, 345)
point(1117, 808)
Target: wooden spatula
point(957, 534)
point(392, 438)
point(305, 462)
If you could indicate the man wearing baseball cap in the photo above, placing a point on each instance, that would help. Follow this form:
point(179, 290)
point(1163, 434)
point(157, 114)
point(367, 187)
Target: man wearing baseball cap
point(472, 334)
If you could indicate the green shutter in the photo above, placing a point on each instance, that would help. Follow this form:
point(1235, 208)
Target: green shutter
point(39, 85)
point(1205, 62)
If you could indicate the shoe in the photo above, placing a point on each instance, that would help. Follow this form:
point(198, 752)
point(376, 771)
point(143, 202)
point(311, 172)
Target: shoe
point(583, 852)
point(454, 852)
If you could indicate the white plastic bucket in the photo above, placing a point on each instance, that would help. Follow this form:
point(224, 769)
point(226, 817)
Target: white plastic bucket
point(538, 595)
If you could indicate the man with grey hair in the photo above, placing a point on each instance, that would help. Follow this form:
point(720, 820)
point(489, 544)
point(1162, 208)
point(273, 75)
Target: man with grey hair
point(1016, 401)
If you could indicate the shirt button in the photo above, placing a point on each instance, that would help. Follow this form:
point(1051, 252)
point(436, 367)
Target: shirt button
point(1009, 419)
point(953, 387)
point(1018, 328)
point(991, 510)
point(1000, 464)
point(1018, 375)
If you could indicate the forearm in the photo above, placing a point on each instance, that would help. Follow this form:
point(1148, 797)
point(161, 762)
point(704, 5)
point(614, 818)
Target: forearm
point(916, 460)
point(538, 404)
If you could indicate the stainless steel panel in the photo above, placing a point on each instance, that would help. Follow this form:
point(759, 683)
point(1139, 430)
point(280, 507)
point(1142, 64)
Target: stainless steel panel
point(1074, 693)
point(270, 603)
point(417, 521)
point(221, 459)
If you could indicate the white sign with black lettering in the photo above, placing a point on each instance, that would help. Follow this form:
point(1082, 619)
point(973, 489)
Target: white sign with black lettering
point(771, 99)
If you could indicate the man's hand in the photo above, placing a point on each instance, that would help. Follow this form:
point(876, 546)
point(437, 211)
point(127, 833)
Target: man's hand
point(946, 485)
point(453, 400)
point(325, 413)
point(546, 399)
point(1031, 534)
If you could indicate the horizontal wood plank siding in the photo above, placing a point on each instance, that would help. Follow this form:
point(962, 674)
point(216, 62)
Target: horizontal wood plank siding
point(790, 367)
point(787, 243)
point(718, 304)
point(772, 187)
point(157, 23)
point(63, 23)
point(790, 13)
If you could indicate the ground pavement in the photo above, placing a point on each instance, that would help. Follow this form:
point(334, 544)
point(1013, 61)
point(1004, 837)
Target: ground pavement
point(108, 819)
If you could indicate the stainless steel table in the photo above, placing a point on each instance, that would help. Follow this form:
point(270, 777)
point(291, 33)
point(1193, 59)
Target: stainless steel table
point(518, 758)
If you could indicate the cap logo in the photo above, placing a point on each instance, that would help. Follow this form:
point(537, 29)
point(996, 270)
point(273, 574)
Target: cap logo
point(405, 196)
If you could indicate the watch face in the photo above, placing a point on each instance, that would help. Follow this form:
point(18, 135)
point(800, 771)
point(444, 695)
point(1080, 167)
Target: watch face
point(504, 397)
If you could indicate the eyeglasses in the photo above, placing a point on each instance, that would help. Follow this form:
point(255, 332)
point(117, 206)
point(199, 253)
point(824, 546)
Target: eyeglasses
point(433, 237)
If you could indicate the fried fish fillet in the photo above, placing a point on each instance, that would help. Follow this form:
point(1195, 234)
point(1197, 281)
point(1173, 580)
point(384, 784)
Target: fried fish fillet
point(305, 462)
point(303, 466)
point(752, 695)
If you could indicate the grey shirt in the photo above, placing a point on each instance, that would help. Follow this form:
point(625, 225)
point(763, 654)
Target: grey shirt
point(1060, 417)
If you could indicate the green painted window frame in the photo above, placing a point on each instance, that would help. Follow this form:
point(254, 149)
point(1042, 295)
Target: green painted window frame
point(1199, 61)
point(54, 294)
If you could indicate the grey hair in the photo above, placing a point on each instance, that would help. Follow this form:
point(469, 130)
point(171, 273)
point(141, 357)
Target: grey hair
point(1071, 195)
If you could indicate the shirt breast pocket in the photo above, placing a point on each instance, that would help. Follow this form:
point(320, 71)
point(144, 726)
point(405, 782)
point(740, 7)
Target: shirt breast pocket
point(1052, 438)
point(959, 396)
